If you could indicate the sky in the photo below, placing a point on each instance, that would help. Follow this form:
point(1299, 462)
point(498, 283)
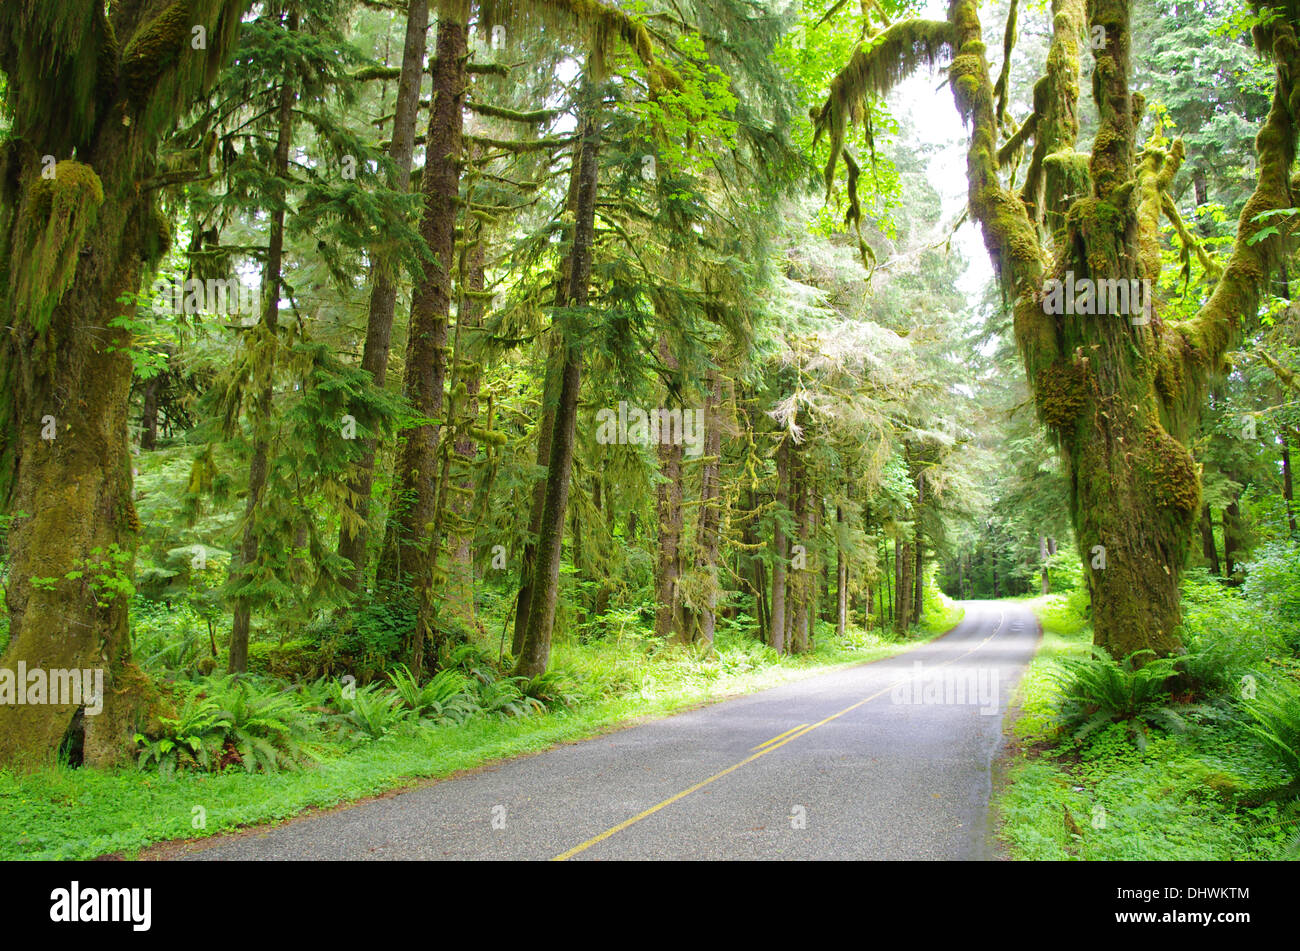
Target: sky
point(928, 100)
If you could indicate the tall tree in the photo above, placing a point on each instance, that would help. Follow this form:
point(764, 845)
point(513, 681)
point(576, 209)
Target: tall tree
point(105, 87)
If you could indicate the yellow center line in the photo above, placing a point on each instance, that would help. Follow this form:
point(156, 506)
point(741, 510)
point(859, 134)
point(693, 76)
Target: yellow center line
point(789, 735)
point(778, 736)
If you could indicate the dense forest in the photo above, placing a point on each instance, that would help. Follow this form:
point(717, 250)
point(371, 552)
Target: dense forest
point(376, 369)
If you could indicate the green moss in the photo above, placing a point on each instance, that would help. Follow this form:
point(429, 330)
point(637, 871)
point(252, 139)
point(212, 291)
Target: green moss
point(1171, 470)
point(965, 75)
point(154, 48)
point(156, 239)
point(1060, 391)
point(49, 236)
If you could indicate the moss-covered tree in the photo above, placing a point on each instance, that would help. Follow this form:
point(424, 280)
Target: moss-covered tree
point(1120, 394)
point(93, 89)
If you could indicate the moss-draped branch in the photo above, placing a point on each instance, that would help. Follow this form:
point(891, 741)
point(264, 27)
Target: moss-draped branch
point(877, 65)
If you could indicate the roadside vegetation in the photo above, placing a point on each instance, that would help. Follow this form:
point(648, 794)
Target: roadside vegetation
point(1192, 757)
point(233, 752)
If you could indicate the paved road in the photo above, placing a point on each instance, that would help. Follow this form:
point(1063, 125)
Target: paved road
point(880, 761)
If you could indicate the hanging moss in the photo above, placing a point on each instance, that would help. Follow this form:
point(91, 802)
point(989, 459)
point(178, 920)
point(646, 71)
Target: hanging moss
point(966, 75)
point(49, 235)
point(1060, 391)
point(155, 235)
point(877, 65)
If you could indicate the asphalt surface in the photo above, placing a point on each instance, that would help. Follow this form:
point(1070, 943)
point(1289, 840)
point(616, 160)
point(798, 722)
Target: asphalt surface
point(879, 761)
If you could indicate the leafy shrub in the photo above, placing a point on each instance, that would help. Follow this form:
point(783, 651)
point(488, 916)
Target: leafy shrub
point(1225, 635)
point(505, 697)
point(1065, 570)
point(172, 637)
point(477, 665)
point(1273, 584)
point(554, 688)
point(291, 660)
point(1096, 691)
point(738, 654)
point(366, 641)
point(264, 725)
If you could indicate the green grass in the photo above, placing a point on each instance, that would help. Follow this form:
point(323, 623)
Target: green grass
point(1180, 798)
point(61, 813)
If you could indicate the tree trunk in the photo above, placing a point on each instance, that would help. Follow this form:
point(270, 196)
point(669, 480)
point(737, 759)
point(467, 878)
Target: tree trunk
point(709, 530)
point(1287, 490)
point(1208, 547)
point(842, 577)
point(149, 414)
point(536, 651)
point(801, 575)
point(261, 411)
point(64, 394)
point(1234, 542)
point(545, 426)
point(1042, 558)
point(780, 550)
point(904, 564)
point(413, 499)
point(669, 515)
point(354, 536)
point(1098, 381)
point(469, 320)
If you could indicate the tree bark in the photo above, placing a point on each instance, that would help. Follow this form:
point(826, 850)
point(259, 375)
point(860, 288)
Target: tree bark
point(709, 530)
point(904, 564)
point(413, 499)
point(842, 577)
point(1208, 547)
point(1234, 541)
point(545, 426)
point(669, 515)
point(149, 414)
point(354, 536)
point(1288, 492)
point(469, 320)
point(1042, 558)
point(780, 551)
point(65, 377)
point(536, 652)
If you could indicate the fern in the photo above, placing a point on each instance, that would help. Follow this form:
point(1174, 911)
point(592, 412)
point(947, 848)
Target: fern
point(1276, 715)
point(375, 712)
point(447, 698)
point(1096, 691)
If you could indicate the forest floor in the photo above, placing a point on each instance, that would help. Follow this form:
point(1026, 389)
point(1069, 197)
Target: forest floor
point(887, 760)
point(64, 813)
point(1180, 795)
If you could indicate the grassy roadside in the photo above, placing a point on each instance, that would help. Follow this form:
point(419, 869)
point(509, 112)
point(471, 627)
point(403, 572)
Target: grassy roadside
point(61, 813)
point(1182, 797)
